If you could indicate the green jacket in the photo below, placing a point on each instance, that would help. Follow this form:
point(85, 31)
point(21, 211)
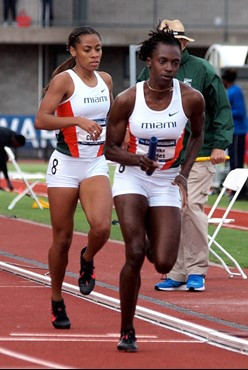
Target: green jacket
point(198, 73)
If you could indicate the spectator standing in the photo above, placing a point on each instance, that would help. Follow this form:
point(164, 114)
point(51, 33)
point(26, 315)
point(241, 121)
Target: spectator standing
point(236, 149)
point(47, 13)
point(9, 8)
point(11, 139)
point(192, 262)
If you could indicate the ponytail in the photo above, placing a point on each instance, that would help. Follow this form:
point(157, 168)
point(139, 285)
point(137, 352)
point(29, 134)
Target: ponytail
point(73, 39)
point(68, 64)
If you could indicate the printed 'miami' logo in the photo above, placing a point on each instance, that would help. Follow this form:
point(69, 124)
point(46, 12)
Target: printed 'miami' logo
point(97, 99)
point(158, 125)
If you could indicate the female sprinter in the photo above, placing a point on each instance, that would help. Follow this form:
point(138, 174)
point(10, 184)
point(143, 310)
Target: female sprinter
point(76, 104)
point(150, 206)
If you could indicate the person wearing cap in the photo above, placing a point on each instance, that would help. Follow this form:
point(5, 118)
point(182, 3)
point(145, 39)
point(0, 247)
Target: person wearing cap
point(192, 263)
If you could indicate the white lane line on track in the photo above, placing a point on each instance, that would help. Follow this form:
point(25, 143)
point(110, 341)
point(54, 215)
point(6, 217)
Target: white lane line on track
point(236, 227)
point(77, 335)
point(33, 360)
point(108, 337)
point(94, 340)
point(21, 286)
point(212, 337)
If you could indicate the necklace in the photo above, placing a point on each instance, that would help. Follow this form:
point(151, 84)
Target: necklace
point(167, 89)
point(90, 79)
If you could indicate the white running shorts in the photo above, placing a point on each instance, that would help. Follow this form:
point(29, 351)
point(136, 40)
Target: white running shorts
point(157, 188)
point(68, 172)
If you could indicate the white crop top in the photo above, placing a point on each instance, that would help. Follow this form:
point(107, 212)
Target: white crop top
point(88, 102)
point(167, 125)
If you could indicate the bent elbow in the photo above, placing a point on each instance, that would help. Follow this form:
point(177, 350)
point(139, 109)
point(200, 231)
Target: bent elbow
point(37, 123)
point(106, 152)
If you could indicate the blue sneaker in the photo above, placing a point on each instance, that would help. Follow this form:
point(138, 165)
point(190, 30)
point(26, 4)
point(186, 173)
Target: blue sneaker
point(195, 283)
point(169, 284)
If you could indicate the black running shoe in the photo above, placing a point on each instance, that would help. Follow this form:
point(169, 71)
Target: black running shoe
point(59, 316)
point(127, 341)
point(86, 281)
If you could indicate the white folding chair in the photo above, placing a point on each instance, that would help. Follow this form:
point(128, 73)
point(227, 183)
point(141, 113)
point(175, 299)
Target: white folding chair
point(29, 188)
point(234, 181)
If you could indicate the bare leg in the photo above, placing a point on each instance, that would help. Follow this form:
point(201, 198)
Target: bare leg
point(131, 210)
point(164, 229)
point(96, 200)
point(62, 223)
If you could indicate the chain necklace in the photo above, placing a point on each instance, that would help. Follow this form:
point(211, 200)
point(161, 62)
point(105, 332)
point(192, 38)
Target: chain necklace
point(167, 89)
point(90, 79)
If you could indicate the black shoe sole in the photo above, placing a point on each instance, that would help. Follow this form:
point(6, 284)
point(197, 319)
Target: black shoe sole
point(63, 327)
point(84, 291)
point(130, 349)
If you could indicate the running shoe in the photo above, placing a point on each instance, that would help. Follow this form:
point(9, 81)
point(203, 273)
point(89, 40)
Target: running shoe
point(169, 284)
point(127, 341)
point(86, 281)
point(59, 316)
point(195, 283)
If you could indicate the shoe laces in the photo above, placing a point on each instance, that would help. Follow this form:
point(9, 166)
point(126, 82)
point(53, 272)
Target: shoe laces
point(128, 335)
point(87, 270)
point(59, 312)
point(195, 276)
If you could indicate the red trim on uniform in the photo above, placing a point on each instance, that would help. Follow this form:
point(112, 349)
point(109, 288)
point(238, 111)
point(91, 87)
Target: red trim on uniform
point(132, 145)
point(100, 150)
point(69, 133)
point(179, 148)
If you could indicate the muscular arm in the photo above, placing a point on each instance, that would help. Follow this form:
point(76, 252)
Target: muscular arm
point(194, 107)
point(116, 129)
point(116, 132)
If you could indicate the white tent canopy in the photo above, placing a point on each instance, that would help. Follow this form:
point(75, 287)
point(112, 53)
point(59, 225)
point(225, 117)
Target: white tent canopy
point(222, 56)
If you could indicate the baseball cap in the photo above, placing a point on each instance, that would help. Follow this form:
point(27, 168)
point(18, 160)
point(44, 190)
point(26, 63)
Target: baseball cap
point(177, 27)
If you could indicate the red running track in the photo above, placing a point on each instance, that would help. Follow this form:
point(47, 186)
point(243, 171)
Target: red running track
point(27, 338)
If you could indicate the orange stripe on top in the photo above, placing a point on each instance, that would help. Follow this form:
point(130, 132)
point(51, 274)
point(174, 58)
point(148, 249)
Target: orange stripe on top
point(132, 145)
point(100, 150)
point(69, 133)
point(179, 148)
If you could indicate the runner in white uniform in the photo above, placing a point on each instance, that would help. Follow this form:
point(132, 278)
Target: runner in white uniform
point(168, 126)
point(148, 207)
point(76, 104)
point(78, 156)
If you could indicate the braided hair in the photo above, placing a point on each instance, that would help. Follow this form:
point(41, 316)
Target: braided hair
point(164, 36)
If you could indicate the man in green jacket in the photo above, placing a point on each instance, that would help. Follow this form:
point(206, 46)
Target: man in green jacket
point(192, 263)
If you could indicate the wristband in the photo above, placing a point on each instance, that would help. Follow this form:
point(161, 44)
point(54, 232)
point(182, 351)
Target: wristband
point(183, 177)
